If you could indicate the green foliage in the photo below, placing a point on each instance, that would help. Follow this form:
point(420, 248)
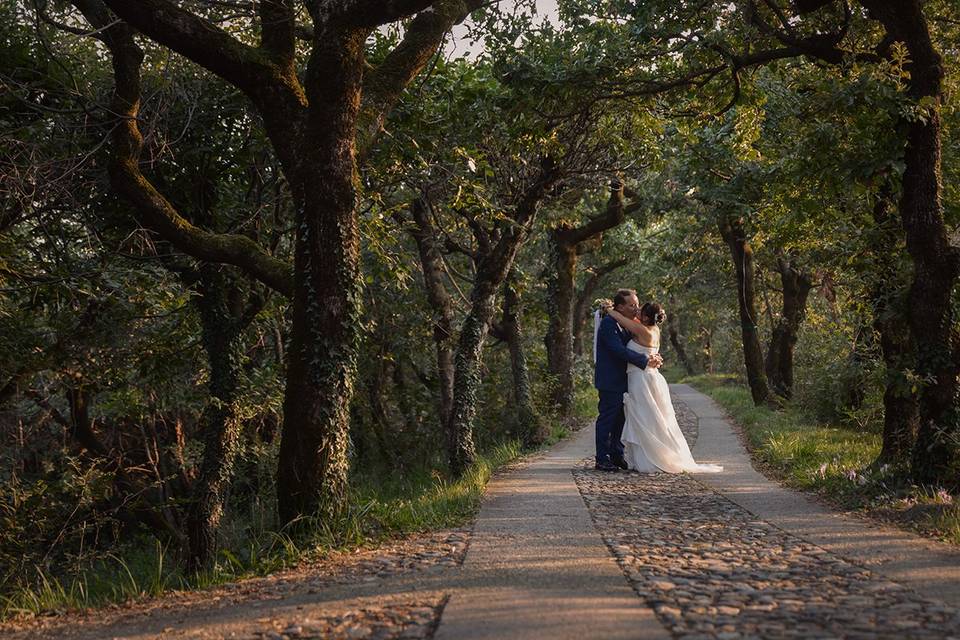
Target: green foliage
point(834, 460)
point(380, 508)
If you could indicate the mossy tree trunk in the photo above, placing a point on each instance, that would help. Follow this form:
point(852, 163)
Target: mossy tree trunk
point(565, 240)
point(733, 233)
point(499, 248)
point(222, 324)
point(313, 127)
point(888, 302)
point(936, 453)
point(530, 428)
point(795, 288)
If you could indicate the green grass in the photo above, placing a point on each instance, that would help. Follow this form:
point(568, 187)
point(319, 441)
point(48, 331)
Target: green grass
point(585, 402)
point(834, 461)
point(379, 509)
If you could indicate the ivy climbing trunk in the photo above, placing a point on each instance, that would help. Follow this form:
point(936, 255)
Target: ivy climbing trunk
point(734, 234)
point(220, 424)
point(492, 267)
point(559, 338)
point(312, 126)
point(796, 286)
point(461, 451)
point(530, 428)
point(324, 333)
point(565, 240)
point(900, 416)
point(936, 453)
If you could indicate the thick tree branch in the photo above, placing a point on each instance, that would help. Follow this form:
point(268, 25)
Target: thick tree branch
point(611, 217)
point(374, 13)
point(278, 29)
point(248, 68)
point(126, 177)
point(385, 84)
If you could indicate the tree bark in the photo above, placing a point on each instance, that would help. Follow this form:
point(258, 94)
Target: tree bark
point(900, 415)
point(561, 288)
point(936, 454)
point(220, 424)
point(796, 287)
point(673, 331)
point(733, 233)
point(492, 268)
point(312, 127)
point(530, 428)
point(582, 309)
point(706, 349)
point(324, 335)
point(431, 266)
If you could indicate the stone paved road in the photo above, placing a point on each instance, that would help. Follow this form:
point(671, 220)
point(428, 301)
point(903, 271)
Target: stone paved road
point(710, 569)
point(536, 566)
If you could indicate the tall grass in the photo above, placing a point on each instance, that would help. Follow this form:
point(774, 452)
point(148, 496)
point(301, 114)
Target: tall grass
point(836, 461)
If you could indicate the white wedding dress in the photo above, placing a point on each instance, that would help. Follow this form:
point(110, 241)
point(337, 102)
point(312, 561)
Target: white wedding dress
point(652, 439)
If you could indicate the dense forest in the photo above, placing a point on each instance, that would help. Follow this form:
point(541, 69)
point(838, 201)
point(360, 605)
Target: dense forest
point(259, 256)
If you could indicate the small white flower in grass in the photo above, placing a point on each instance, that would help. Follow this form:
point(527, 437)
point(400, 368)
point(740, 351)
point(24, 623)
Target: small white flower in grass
point(822, 471)
point(943, 497)
point(472, 165)
point(851, 475)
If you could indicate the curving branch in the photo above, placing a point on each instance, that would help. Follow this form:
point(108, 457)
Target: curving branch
point(250, 69)
point(384, 85)
point(278, 29)
point(125, 175)
point(374, 13)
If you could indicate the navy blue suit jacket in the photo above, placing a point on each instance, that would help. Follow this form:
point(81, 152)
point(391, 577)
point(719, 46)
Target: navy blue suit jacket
point(610, 370)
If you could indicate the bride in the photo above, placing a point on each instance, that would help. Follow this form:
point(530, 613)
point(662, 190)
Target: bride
point(652, 438)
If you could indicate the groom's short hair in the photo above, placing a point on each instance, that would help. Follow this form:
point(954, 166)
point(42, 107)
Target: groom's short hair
point(620, 297)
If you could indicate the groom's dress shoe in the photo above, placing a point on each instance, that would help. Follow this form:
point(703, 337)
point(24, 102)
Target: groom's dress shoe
point(605, 466)
point(619, 462)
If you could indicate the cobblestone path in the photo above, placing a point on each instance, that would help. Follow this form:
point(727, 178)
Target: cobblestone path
point(710, 569)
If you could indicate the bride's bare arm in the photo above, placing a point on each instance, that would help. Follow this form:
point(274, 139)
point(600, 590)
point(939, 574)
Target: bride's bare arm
point(633, 326)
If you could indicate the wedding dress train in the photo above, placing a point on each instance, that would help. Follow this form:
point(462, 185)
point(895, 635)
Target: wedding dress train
point(652, 438)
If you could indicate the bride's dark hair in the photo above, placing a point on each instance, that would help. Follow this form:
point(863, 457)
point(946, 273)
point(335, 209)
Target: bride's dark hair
point(652, 311)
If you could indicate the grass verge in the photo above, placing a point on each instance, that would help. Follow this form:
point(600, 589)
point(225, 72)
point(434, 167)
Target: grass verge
point(380, 509)
point(834, 461)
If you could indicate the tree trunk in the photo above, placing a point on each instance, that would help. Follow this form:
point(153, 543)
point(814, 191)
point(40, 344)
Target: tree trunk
point(734, 235)
point(324, 335)
point(219, 425)
point(431, 265)
point(936, 454)
point(312, 126)
point(559, 337)
point(461, 452)
point(900, 415)
point(561, 287)
point(706, 349)
point(796, 287)
point(530, 428)
point(582, 310)
point(673, 331)
point(492, 267)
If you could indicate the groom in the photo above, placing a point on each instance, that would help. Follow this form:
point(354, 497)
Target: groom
point(610, 379)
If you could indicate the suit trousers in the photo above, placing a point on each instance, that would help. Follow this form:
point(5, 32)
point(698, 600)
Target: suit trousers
point(609, 428)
